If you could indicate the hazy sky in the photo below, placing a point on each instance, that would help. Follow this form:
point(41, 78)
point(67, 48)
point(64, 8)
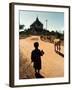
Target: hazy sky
point(55, 20)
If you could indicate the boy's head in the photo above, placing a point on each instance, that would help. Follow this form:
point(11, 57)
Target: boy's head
point(36, 44)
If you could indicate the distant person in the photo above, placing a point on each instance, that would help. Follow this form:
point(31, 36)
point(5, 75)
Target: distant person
point(36, 57)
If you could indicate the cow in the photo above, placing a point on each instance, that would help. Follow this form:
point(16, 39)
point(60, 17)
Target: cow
point(57, 45)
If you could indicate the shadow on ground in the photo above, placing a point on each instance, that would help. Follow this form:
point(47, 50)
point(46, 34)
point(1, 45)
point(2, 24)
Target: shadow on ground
point(38, 75)
point(61, 54)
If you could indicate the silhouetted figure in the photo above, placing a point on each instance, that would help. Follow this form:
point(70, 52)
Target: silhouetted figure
point(36, 57)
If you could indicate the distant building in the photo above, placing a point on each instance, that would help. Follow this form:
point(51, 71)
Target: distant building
point(36, 27)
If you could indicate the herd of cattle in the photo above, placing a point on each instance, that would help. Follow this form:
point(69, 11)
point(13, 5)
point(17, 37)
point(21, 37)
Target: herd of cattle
point(51, 39)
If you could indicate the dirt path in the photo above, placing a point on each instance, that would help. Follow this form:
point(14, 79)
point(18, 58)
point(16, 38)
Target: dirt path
point(52, 63)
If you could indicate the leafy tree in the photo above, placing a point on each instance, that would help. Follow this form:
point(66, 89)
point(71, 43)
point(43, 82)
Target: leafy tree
point(21, 26)
point(52, 33)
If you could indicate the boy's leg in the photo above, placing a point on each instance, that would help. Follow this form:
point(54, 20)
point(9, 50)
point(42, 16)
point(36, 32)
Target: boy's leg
point(38, 70)
point(35, 70)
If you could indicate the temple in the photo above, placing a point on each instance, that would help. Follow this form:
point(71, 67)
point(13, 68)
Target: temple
point(36, 27)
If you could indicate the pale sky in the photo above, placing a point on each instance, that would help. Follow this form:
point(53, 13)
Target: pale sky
point(55, 20)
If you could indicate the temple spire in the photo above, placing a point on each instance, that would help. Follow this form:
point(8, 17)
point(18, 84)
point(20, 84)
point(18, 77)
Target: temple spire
point(37, 18)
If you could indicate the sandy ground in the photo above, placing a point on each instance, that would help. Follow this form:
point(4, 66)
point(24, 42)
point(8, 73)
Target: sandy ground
point(52, 63)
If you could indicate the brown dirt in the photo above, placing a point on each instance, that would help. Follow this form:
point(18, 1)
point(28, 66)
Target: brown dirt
point(52, 63)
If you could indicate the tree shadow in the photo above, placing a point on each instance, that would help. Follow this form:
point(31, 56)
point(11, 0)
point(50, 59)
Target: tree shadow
point(59, 53)
point(38, 75)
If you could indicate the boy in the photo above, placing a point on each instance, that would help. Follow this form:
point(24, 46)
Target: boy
point(36, 57)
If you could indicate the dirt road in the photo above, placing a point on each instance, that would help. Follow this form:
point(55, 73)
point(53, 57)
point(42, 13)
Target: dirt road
point(52, 63)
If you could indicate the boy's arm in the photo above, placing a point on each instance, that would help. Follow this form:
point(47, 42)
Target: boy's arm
point(42, 52)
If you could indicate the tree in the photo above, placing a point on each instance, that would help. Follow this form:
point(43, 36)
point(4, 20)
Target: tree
point(21, 26)
point(52, 33)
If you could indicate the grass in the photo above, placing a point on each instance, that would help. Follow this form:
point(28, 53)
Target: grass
point(26, 70)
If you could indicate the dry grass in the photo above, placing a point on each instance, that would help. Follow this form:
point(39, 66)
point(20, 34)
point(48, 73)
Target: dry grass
point(25, 68)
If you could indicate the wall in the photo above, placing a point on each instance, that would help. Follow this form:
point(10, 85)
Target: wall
point(4, 43)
